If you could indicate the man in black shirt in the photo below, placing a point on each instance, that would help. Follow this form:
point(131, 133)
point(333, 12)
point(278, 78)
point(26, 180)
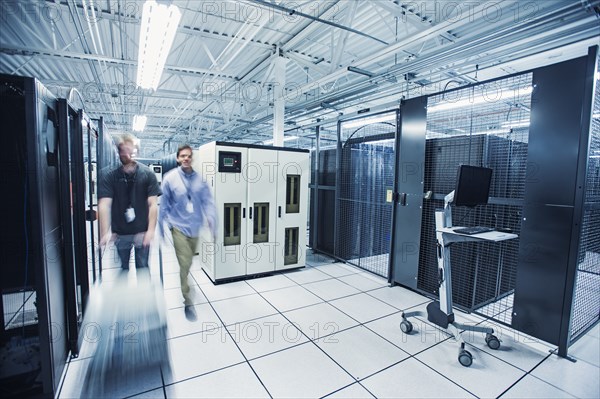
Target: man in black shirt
point(127, 204)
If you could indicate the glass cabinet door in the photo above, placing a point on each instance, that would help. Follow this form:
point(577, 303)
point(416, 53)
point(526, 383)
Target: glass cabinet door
point(292, 194)
point(261, 222)
point(232, 220)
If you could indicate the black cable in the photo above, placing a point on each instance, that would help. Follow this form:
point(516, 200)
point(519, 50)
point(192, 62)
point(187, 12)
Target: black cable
point(465, 215)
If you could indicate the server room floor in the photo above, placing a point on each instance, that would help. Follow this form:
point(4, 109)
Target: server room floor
point(332, 330)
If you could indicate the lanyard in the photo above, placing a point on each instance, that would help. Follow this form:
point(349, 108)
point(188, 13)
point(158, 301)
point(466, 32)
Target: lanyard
point(187, 188)
point(130, 181)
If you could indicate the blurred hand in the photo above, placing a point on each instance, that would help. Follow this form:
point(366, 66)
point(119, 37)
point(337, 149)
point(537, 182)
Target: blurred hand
point(107, 238)
point(148, 237)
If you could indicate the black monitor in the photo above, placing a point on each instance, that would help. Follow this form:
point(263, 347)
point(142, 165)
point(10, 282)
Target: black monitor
point(472, 186)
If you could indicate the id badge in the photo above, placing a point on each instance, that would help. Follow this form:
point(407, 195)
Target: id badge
point(189, 207)
point(130, 215)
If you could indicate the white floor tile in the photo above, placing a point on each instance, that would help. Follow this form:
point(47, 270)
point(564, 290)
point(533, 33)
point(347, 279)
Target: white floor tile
point(399, 297)
point(174, 298)
point(240, 309)
point(330, 289)
point(320, 320)
point(171, 280)
point(531, 387)
point(232, 382)
point(291, 298)
point(200, 277)
point(487, 376)
point(362, 282)
point(360, 351)
point(213, 364)
point(586, 349)
point(579, 379)
point(354, 391)
point(225, 291)
point(363, 307)
point(178, 325)
point(201, 353)
point(266, 335)
point(337, 269)
point(271, 283)
point(302, 371)
point(422, 337)
point(309, 275)
point(412, 379)
point(517, 349)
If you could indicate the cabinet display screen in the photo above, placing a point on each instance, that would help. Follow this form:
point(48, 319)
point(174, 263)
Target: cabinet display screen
point(230, 162)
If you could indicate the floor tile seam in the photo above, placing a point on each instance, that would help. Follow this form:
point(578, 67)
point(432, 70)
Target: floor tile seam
point(254, 293)
point(253, 319)
point(537, 378)
point(441, 374)
point(183, 305)
point(314, 343)
point(339, 278)
point(347, 386)
point(358, 321)
point(196, 332)
point(333, 299)
point(550, 354)
point(238, 346)
point(394, 306)
point(202, 374)
point(350, 273)
point(491, 353)
point(302, 307)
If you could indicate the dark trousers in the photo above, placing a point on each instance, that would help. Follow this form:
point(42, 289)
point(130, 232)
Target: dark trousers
point(124, 243)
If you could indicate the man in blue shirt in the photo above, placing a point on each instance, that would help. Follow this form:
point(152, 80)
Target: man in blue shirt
point(186, 204)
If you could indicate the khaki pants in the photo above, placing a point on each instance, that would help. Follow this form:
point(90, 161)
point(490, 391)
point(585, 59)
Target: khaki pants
point(185, 248)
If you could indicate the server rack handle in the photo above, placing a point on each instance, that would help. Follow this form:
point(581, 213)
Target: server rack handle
point(249, 212)
point(279, 210)
point(243, 213)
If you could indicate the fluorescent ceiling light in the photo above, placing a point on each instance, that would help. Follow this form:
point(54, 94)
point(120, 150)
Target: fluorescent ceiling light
point(502, 95)
point(139, 123)
point(369, 121)
point(157, 31)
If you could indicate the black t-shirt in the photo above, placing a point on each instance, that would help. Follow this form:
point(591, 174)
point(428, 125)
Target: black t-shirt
point(129, 190)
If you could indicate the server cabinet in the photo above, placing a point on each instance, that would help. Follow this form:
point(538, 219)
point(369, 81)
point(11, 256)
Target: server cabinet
point(260, 196)
point(260, 175)
point(32, 280)
point(292, 183)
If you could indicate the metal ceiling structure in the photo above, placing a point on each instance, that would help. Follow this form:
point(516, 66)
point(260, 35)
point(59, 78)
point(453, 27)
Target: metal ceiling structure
point(328, 60)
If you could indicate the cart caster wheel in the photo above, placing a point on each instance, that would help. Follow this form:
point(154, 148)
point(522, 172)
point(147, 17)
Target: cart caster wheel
point(465, 358)
point(406, 326)
point(492, 341)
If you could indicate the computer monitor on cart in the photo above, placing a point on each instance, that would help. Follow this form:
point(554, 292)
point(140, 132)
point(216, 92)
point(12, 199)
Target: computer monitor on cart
point(472, 186)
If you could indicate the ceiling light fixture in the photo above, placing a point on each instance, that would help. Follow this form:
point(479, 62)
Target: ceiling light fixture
point(139, 123)
point(361, 71)
point(369, 121)
point(157, 31)
point(490, 98)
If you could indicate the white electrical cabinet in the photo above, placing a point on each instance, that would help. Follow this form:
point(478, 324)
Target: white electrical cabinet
point(261, 197)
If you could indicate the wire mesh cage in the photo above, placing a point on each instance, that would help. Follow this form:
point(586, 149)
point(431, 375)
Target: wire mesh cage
point(482, 125)
point(366, 172)
point(586, 305)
